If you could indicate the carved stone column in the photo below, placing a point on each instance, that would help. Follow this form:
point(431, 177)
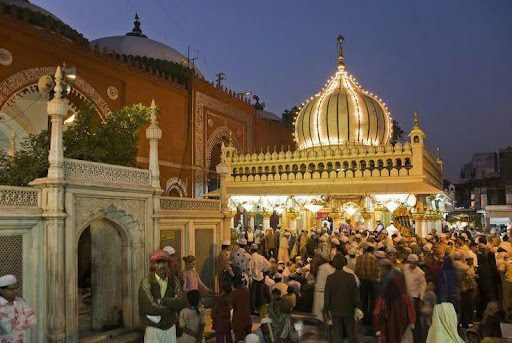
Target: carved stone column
point(53, 188)
point(223, 171)
point(266, 219)
point(251, 219)
point(57, 108)
point(154, 134)
point(293, 220)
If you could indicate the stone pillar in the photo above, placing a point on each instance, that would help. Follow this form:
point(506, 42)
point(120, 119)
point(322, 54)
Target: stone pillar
point(293, 221)
point(154, 134)
point(251, 219)
point(266, 219)
point(223, 171)
point(53, 188)
point(57, 108)
point(368, 222)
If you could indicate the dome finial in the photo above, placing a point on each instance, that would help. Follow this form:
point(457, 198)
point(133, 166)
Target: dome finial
point(416, 121)
point(341, 63)
point(136, 31)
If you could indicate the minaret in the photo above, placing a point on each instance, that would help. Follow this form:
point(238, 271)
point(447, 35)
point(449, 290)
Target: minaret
point(417, 136)
point(438, 159)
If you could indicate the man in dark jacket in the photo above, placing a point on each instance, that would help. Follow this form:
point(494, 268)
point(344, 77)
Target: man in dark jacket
point(341, 299)
point(160, 300)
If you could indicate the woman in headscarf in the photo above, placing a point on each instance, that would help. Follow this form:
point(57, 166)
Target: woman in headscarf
point(444, 325)
point(448, 286)
point(486, 288)
point(394, 311)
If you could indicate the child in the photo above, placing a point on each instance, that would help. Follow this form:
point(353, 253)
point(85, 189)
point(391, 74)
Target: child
point(221, 316)
point(429, 301)
point(193, 319)
point(242, 323)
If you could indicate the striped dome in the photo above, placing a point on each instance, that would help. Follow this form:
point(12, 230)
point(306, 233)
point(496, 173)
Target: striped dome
point(342, 113)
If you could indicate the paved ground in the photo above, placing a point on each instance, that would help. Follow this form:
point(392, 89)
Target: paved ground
point(310, 331)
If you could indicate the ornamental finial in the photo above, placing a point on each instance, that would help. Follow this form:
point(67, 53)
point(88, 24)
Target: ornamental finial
point(416, 121)
point(154, 120)
point(136, 31)
point(341, 63)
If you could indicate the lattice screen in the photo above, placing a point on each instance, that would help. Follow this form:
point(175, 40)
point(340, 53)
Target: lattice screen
point(11, 257)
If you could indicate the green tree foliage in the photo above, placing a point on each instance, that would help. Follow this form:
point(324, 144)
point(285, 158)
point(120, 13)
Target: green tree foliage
point(113, 141)
point(29, 162)
point(288, 116)
point(398, 133)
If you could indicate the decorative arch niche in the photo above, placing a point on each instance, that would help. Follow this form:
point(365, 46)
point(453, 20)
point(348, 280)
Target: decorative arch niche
point(176, 187)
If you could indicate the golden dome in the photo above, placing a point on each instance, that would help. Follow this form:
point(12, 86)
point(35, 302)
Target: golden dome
point(342, 113)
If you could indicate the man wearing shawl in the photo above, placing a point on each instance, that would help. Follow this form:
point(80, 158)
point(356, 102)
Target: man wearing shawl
point(394, 312)
point(444, 325)
point(160, 300)
point(16, 316)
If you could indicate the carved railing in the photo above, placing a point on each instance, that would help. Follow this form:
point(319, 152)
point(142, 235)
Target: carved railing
point(18, 197)
point(187, 204)
point(101, 172)
point(340, 162)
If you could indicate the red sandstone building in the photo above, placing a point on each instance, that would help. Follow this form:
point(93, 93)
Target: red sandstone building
point(123, 70)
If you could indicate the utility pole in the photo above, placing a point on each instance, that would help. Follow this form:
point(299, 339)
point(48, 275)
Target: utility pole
point(220, 77)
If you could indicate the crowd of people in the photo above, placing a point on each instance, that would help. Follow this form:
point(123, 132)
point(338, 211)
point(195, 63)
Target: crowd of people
point(454, 285)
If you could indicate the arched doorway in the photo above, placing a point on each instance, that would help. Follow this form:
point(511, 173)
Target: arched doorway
point(213, 177)
point(101, 278)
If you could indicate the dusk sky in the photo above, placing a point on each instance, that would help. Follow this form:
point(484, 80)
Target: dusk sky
point(450, 59)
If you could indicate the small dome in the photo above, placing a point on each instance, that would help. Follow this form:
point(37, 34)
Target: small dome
point(135, 43)
point(139, 46)
point(342, 113)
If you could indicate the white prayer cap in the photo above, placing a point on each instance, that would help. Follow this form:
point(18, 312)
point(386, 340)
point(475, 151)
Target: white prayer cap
point(413, 258)
point(351, 251)
point(226, 242)
point(7, 280)
point(266, 320)
point(358, 235)
point(242, 241)
point(280, 262)
point(344, 239)
point(335, 241)
point(170, 250)
point(391, 250)
point(252, 338)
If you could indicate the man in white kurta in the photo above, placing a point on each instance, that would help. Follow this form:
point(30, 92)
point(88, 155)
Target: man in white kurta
point(321, 278)
point(16, 316)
